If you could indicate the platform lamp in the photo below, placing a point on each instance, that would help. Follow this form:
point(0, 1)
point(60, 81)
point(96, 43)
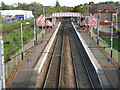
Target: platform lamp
point(111, 41)
point(22, 51)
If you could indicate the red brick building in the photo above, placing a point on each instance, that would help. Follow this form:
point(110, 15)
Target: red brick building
point(106, 12)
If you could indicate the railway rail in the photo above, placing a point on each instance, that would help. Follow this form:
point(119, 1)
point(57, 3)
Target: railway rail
point(69, 66)
point(52, 77)
point(84, 70)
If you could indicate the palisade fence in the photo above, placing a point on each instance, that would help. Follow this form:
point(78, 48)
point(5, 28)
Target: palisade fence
point(16, 58)
point(102, 43)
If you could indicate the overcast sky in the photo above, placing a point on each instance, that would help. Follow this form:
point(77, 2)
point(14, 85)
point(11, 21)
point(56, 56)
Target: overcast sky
point(52, 2)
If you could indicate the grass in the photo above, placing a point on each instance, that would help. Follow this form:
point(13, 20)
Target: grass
point(116, 44)
point(15, 38)
point(15, 25)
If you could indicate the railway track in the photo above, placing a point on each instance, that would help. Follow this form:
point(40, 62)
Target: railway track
point(84, 70)
point(69, 66)
point(82, 77)
point(67, 79)
point(52, 77)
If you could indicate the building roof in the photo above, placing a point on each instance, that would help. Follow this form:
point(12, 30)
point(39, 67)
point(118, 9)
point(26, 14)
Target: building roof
point(41, 21)
point(89, 20)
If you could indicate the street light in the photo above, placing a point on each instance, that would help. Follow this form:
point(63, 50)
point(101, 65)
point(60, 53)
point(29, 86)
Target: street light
point(22, 52)
point(111, 48)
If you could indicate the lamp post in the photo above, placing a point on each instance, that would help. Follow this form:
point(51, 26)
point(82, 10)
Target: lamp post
point(111, 42)
point(22, 51)
point(111, 46)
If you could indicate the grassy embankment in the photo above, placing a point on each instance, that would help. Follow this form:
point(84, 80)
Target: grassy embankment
point(12, 34)
point(116, 44)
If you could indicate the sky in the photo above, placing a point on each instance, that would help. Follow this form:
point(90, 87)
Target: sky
point(52, 2)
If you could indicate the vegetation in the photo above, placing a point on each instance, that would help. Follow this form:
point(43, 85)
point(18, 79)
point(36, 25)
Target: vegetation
point(6, 7)
point(23, 6)
point(57, 4)
point(80, 8)
point(14, 37)
point(16, 41)
point(116, 43)
point(91, 3)
point(6, 27)
point(59, 9)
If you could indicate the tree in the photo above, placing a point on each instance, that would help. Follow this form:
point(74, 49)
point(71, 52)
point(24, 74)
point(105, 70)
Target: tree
point(91, 3)
point(22, 6)
point(4, 7)
point(79, 8)
point(85, 4)
point(57, 4)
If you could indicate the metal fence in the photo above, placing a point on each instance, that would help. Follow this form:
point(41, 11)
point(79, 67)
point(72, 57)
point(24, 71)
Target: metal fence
point(102, 43)
point(16, 58)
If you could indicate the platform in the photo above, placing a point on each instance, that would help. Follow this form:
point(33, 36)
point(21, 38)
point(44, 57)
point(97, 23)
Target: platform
point(105, 70)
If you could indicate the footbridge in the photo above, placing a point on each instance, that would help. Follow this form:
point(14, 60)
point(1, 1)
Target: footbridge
point(66, 14)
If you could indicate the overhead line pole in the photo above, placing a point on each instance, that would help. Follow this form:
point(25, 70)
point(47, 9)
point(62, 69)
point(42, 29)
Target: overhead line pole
point(35, 28)
point(44, 13)
point(98, 21)
point(2, 74)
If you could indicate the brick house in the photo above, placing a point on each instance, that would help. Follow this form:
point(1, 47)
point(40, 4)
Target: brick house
point(107, 12)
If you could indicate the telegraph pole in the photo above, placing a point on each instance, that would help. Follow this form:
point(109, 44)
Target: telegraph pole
point(2, 75)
